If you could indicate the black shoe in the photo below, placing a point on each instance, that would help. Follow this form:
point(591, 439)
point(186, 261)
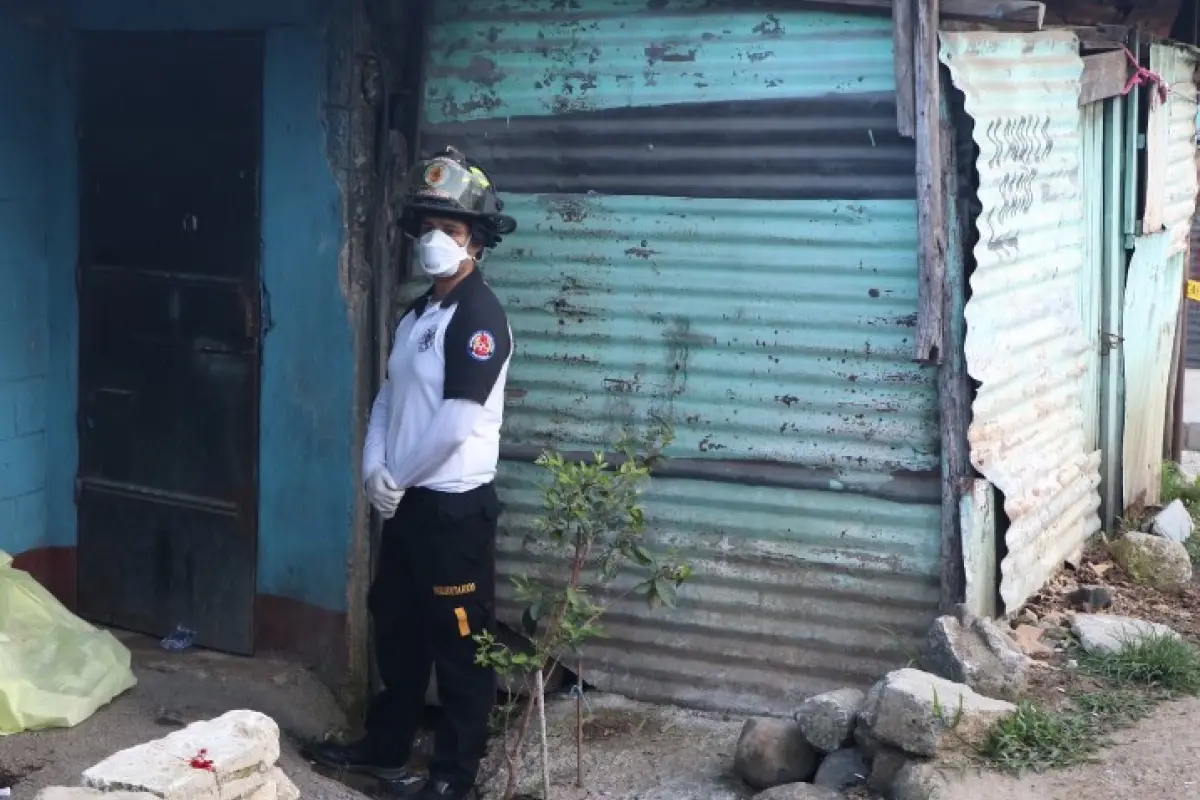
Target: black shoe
point(406, 786)
point(437, 789)
point(361, 757)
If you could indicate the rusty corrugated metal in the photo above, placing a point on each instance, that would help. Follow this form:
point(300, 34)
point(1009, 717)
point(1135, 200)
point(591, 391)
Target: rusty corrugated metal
point(718, 226)
point(1025, 343)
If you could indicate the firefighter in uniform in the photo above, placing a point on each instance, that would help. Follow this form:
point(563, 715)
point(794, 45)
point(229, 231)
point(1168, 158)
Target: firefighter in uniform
point(428, 465)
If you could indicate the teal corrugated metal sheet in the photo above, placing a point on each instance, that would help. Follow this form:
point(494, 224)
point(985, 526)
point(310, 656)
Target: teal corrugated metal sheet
point(1025, 341)
point(586, 56)
point(775, 333)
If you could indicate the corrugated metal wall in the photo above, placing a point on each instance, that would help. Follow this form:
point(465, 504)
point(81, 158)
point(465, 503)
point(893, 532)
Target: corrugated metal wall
point(1178, 67)
point(1154, 286)
point(718, 224)
point(1025, 342)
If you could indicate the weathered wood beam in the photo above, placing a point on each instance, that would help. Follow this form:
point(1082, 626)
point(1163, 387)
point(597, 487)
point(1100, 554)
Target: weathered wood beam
point(1104, 76)
point(1094, 38)
point(1016, 14)
point(904, 26)
point(931, 211)
point(955, 394)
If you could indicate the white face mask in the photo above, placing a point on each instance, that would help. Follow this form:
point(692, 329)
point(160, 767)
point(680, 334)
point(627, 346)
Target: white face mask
point(440, 255)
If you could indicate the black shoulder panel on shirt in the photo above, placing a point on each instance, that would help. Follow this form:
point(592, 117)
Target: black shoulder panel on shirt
point(477, 344)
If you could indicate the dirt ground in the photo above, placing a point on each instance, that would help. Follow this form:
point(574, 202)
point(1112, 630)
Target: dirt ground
point(175, 689)
point(1158, 759)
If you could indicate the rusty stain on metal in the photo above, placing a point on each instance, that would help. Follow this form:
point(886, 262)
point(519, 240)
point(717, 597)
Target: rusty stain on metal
point(1025, 343)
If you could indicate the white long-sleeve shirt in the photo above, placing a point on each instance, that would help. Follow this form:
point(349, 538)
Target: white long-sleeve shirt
point(436, 420)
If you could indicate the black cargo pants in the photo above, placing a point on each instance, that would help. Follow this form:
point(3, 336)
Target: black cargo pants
point(434, 589)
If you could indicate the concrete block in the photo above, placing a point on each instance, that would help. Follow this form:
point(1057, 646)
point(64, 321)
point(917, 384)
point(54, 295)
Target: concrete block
point(84, 793)
point(242, 747)
point(285, 789)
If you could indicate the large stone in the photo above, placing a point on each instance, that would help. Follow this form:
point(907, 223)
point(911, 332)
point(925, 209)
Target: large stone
point(923, 714)
point(1109, 633)
point(842, 769)
point(798, 791)
point(1153, 561)
point(885, 766)
point(828, 719)
point(1174, 522)
point(918, 780)
point(976, 651)
point(241, 746)
point(771, 752)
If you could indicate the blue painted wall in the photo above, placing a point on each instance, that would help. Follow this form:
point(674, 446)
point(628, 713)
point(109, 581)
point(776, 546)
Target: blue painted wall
point(307, 439)
point(306, 472)
point(23, 288)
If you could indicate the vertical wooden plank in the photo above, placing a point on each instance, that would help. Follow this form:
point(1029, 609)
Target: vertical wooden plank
point(903, 28)
point(931, 212)
point(954, 387)
point(978, 522)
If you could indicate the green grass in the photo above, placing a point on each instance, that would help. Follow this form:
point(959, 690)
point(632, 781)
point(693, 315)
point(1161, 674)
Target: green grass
point(1136, 680)
point(1165, 664)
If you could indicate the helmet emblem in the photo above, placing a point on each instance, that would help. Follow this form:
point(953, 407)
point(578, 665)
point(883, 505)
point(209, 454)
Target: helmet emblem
point(435, 174)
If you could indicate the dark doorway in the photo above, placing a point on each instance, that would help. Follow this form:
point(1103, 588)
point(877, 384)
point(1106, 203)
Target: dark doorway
point(170, 332)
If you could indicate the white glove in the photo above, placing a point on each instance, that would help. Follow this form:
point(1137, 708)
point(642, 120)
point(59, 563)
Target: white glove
point(383, 493)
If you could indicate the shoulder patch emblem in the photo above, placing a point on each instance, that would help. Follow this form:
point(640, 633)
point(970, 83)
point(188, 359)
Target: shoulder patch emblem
point(482, 345)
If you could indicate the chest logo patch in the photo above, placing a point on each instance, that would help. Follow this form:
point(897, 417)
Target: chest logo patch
point(428, 337)
point(482, 345)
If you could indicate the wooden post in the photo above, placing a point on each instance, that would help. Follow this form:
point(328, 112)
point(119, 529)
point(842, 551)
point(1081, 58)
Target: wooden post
point(954, 385)
point(931, 211)
point(903, 28)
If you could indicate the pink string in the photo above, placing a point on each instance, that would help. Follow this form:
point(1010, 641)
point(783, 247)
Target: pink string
point(1145, 77)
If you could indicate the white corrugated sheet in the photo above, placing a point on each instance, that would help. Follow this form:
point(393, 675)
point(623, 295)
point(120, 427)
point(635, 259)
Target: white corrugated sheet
point(1153, 290)
point(1154, 285)
point(1025, 342)
point(1178, 67)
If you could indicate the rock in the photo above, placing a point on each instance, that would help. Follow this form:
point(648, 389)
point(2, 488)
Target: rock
point(1090, 598)
point(771, 752)
point(976, 651)
point(827, 720)
point(885, 766)
point(842, 769)
point(867, 744)
point(918, 780)
point(921, 713)
point(798, 791)
point(1153, 561)
point(1029, 639)
point(1174, 522)
point(241, 746)
point(1109, 633)
point(1027, 617)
